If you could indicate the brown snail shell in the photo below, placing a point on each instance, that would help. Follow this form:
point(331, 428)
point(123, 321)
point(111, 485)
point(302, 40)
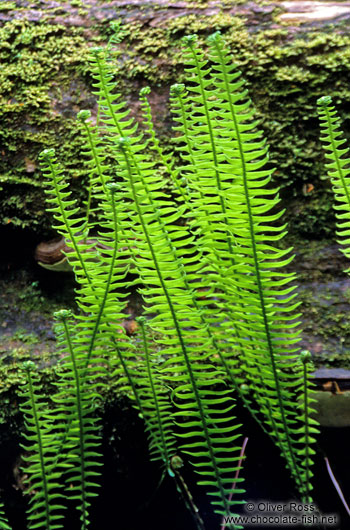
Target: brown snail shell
point(52, 254)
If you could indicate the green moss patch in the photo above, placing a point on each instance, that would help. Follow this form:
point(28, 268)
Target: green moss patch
point(44, 81)
point(43, 65)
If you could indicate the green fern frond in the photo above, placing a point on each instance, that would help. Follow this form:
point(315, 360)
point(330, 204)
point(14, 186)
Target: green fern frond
point(87, 342)
point(156, 408)
point(226, 165)
point(337, 152)
point(100, 298)
point(309, 425)
point(46, 497)
point(163, 259)
point(76, 400)
point(97, 169)
point(184, 339)
point(230, 212)
point(263, 287)
point(4, 524)
point(65, 210)
point(216, 296)
point(214, 240)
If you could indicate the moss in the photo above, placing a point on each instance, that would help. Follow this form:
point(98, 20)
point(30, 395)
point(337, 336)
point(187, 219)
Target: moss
point(44, 82)
point(324, 295)
point(312, 217)
point(7, 6)
point(33, 55)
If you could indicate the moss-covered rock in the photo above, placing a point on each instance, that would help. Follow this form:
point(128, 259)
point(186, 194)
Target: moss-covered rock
point(44, 81)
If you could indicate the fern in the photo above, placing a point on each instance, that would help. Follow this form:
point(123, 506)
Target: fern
point(226, 170)
point(246, 152)
point(219, 311)
point(200, 219)
point(154, 144)
point(161, 261)
point(4, 525)
point(96, 168)
point(309, 426)
point(156, 408)
point(77, 403)
point(87, 341)
point(337, 152)
point(46, 496)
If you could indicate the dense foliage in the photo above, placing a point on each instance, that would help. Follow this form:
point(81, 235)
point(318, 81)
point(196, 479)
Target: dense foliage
point(219, 318)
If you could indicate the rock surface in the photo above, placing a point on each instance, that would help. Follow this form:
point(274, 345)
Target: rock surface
point(159, 12)
point(313, 12)
point(45, 81)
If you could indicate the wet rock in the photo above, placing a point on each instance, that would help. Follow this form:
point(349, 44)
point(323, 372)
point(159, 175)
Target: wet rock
point(51, 102)
point(332, 374)
point(314, 12)
point(333, 410)
point(324, 292)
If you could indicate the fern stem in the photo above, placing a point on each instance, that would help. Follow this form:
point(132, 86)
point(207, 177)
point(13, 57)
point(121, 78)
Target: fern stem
point(79, 409)
point(40, 451)
point(306, 433)
point(185, 492)
point(97, 166)
point(294, 466)
point(337, 486)
point(241, 456)
point(107, 287)
point(180, 337)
